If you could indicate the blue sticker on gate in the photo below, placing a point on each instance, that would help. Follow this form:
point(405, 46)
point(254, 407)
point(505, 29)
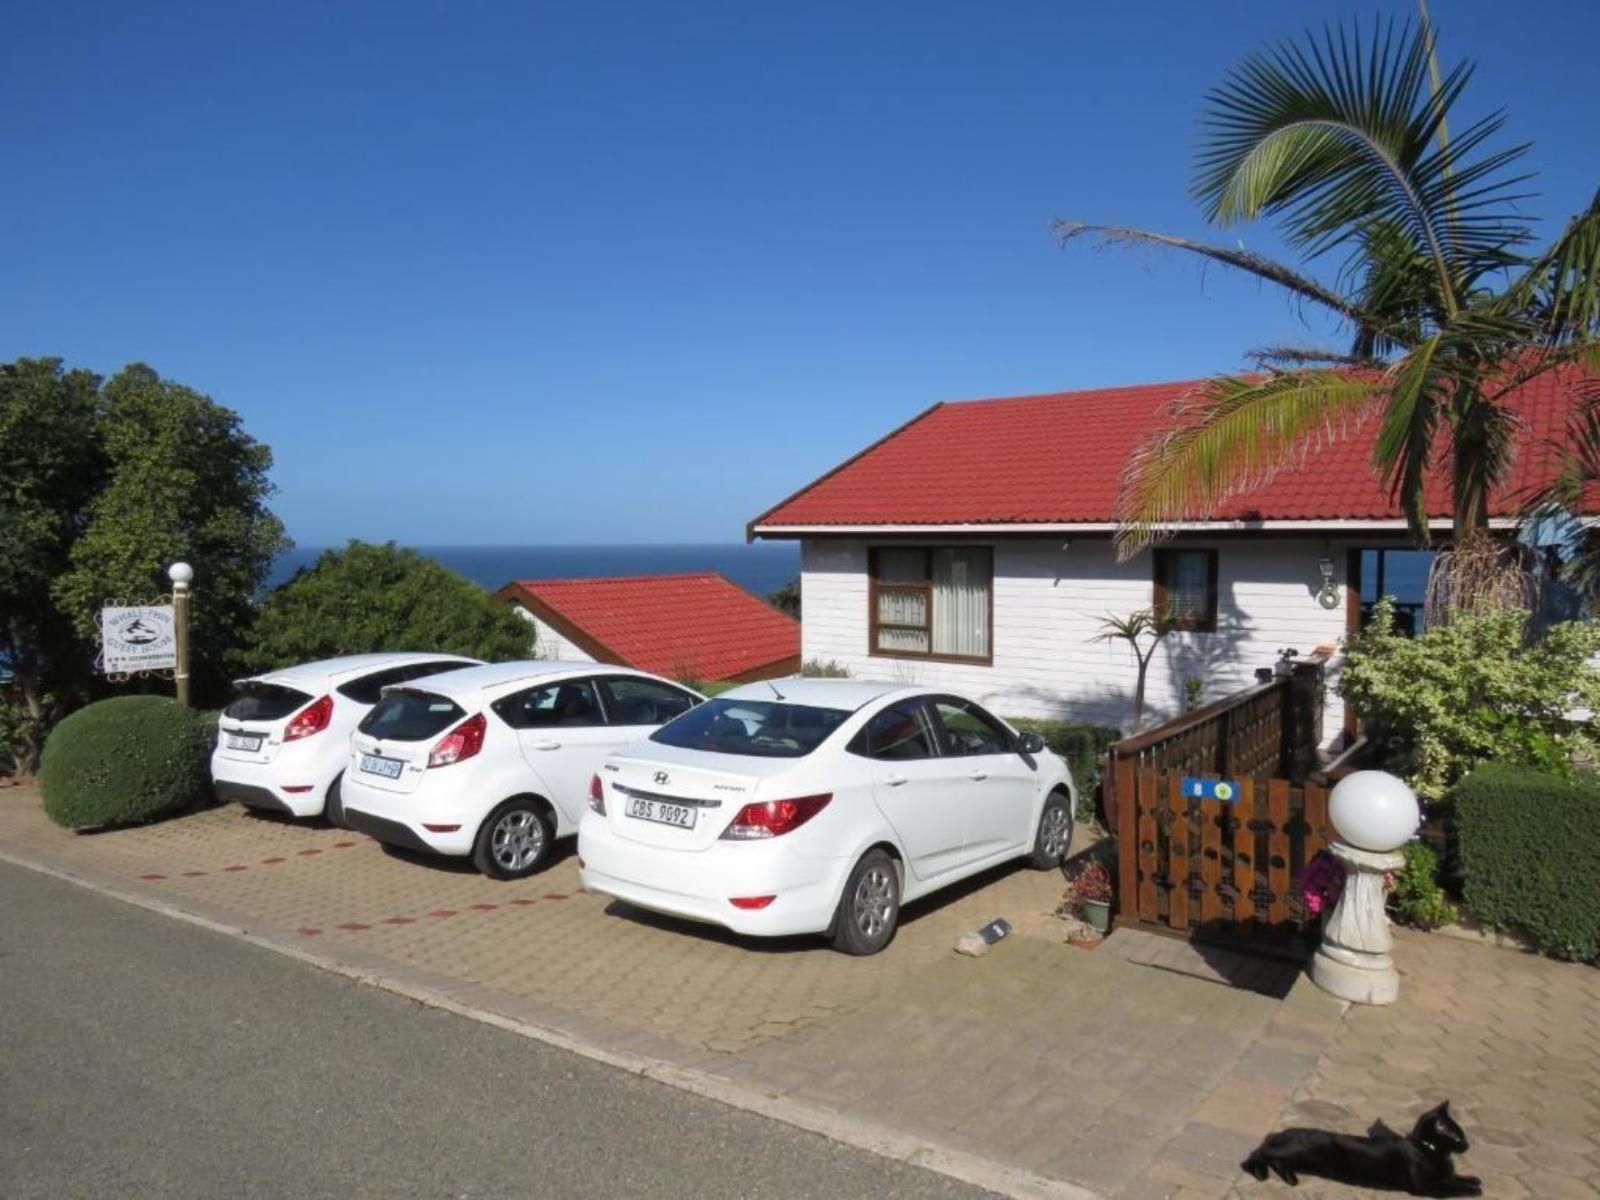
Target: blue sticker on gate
point(1226, 790)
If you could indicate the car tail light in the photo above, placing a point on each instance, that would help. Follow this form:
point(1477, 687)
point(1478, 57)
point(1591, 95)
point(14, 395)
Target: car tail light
point(772, 818)
point(461, 743)
point(313, 718)
point(597, 795)
point(748, 902)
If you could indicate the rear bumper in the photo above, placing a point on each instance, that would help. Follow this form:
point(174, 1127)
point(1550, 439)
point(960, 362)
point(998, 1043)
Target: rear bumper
point(699, 885)
point(261, 785)
point(397, 818)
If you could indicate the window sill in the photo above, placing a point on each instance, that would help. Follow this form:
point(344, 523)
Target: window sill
point(908, 656)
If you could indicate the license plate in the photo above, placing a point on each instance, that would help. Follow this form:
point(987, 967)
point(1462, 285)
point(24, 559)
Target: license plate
point(661, 812)
point(389, 768)
point(240, 741)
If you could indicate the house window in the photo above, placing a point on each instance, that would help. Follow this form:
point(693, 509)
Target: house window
point(1402, 575)
point(932, 602)
point(1186, 588)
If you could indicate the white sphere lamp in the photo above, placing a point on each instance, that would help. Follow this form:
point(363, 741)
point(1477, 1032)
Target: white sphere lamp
point(181, 573)
point(1374, 810)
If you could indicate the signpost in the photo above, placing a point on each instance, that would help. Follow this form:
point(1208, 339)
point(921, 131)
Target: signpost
point(139, 638)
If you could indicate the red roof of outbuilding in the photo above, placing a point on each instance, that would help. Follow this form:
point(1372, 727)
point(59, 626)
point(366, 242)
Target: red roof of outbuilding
point(700, 626)
point(1059, 459)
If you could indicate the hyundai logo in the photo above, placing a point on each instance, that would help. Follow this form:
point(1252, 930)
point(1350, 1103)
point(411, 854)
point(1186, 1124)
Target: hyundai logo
point(662, 778)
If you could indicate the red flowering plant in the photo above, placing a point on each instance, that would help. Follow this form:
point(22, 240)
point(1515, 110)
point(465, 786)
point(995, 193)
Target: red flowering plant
point(1089, 881)
point(1321, 884)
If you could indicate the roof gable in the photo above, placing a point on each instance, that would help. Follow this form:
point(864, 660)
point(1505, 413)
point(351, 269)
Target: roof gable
point(1058, 459)
point(698, 625)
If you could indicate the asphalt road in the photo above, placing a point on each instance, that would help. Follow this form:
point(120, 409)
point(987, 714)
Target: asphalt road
point(140, 1056)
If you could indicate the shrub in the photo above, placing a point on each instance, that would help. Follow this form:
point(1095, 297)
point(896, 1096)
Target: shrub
point(815, 668)
point(1418, 898)
point(1084, 748)
point(1472, 692)
point(1530, 844)
point(126, 760)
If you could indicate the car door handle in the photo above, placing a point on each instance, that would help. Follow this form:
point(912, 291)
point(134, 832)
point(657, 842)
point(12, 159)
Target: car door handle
point(896, 780)
point(979, 774)
point(546, 744)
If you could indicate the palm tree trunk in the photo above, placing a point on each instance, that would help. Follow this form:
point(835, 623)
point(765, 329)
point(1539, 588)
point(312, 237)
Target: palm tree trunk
point(1474, 457)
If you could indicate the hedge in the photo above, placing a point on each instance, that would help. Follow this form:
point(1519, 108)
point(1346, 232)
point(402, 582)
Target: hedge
point(126, 760)
point(1530, 846)
point(1083, 746)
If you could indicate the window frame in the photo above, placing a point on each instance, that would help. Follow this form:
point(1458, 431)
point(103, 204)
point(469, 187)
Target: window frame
point(1161, 571)
point(875, 584)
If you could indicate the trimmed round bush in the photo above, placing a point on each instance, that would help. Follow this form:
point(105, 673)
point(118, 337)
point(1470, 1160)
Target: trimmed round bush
point(126, 760)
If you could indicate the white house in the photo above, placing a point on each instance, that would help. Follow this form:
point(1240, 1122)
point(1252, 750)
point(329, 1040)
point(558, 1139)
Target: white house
point(971, 548)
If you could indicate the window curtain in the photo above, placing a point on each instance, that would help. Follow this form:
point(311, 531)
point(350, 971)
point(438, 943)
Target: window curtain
point(1189, 585)
point(961, 585)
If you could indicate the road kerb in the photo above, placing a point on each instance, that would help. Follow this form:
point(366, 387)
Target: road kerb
point(874, 1139)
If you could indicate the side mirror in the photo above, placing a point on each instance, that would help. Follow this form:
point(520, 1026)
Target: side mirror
point(1030, 744)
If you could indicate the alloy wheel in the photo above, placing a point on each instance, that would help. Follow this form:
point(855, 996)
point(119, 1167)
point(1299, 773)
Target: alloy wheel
point(1054, 830)
point(873, 904)
point(517, 840)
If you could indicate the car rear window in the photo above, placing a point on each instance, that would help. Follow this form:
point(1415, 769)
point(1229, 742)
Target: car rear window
point(257, 701)
point(368, 688)
point(759, 728)
point(409, 716)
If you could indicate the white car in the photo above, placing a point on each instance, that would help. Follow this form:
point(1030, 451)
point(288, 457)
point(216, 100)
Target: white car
point(820, 806)
point(495, 761)
point(284, 739)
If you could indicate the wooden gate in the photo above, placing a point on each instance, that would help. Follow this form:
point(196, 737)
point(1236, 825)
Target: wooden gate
point(1223, 870)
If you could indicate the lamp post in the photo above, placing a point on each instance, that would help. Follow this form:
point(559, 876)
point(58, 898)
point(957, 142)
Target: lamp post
point(1374, 814)
point(181, 573)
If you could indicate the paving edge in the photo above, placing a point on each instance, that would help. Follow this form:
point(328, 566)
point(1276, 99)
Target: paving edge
point(814, 1118)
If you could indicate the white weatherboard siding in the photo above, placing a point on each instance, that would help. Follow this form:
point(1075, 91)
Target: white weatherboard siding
point(1048, 606)
point(550, 644)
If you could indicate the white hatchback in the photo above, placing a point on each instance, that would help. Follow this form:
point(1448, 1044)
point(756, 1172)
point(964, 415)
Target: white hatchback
point(495, 761)
point(820, 806)
point(284, 739)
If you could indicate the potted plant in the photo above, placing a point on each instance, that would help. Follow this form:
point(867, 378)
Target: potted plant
point(1089, 887)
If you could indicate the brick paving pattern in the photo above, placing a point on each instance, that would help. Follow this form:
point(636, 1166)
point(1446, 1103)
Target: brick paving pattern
point(1116, 1069)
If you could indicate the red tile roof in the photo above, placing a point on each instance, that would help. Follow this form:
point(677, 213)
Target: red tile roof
point(700, 626)
point(1059, 459)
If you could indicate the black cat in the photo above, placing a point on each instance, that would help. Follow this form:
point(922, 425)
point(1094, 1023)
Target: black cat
point(1419, 1164)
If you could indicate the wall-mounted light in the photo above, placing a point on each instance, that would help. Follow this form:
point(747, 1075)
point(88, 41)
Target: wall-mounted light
point(1328, 596)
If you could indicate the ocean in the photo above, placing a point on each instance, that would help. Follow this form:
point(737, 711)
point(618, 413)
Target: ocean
point(761, 568)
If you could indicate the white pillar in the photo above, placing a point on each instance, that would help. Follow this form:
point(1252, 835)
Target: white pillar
point(1353, 962)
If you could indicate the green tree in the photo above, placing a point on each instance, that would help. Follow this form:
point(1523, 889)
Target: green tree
point(1346, 141)
point(1134, 629)
point(185, 481)
point(52, 464)
point(787, 599)
point(368, 598)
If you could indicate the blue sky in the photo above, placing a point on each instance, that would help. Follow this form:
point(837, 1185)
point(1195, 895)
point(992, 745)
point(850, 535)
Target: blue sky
point(493, 273)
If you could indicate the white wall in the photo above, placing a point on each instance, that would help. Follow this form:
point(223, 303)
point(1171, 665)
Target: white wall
point(550, 644)
point(1049, 603)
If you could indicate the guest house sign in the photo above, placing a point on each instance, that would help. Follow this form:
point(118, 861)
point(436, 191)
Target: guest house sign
point(142, 638)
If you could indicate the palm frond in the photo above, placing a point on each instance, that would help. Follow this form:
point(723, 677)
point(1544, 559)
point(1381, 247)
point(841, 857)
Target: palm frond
point(1405, 440)
point(1258, 265)
point(1234, 435)
point(1343, 132)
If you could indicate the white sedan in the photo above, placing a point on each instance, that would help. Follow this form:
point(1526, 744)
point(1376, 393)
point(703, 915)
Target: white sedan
point(820, 806)
point(495, 761)
point(284, 738)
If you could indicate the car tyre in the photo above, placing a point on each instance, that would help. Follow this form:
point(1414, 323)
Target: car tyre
point(333, 803)
point(1053, 838)
point(514, 840)
point(869, 909)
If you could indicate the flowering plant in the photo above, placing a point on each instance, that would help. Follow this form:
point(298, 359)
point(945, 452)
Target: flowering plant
point(1090, 881)
point(1322, 883)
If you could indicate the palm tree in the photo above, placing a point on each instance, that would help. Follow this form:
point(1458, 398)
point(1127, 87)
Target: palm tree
point(1344, 140)
point(1133, 629)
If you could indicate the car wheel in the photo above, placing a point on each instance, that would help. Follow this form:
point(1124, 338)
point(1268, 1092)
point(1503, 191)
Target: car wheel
point(869, 910)
point(333, 804)
point(514, 840)
point(1054, 838)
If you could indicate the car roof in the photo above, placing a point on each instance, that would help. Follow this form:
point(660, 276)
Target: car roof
point(848, 694)
point(494, 676)
point(328, 669)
